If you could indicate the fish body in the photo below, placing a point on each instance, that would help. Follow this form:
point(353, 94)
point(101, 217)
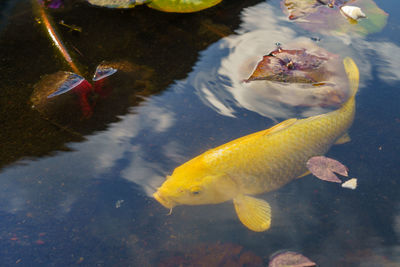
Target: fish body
point(257, 163)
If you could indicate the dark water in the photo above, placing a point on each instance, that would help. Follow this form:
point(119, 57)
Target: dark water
point(78, 192)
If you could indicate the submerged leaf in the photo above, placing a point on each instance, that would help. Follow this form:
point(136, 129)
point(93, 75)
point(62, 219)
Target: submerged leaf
point(290, 259)
point(324, 168)
point(326, 16)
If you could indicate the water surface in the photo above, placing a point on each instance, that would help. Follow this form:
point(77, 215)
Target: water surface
point(81, 194)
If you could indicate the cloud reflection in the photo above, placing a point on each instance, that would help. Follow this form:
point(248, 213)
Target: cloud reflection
point(155, 137)
point(218, 76)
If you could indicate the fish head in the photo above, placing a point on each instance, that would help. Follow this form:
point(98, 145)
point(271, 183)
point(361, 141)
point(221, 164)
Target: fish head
point(195, 186)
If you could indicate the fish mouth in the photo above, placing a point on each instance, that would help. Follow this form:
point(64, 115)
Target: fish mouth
point(164, 201)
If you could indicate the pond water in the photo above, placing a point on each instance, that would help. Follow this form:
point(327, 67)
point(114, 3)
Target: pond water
point(77, 190)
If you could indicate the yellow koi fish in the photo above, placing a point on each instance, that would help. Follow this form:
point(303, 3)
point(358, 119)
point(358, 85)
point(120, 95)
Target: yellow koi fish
point(260, 162)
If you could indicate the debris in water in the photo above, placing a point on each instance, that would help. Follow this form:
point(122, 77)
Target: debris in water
point(324, 168)
point(351, 184)
point(119, 203)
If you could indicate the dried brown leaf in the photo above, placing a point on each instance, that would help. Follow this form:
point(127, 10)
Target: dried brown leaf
point(324, 168)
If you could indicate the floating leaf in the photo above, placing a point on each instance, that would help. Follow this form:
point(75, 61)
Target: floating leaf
point(302, 8)
point(351, 184)
point(106, 69)
point(62, 93)
point(103, 71)
point(314, 74)
point(290, 259)
point(295, 66)
point(66, 83)
point(116, 3)
point(324, 168)
point(181, 6)
point(325, 16)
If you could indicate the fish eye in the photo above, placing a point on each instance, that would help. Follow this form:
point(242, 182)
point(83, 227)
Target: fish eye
point(195, 190)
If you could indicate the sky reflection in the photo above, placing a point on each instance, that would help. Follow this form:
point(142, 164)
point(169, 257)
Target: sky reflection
point(208, 108)
point(148, 143)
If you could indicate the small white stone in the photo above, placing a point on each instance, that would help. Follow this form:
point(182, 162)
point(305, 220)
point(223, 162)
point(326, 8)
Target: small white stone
point(119, 203)
point(353, 12)
point(351, 184)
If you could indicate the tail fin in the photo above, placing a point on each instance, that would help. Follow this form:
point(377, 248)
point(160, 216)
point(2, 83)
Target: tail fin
point(353, 75)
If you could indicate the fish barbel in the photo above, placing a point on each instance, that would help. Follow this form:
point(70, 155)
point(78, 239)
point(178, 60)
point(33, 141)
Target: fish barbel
point(260, 162)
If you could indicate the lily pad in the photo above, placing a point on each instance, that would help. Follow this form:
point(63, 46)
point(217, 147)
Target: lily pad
point(116, 3)
point(290, 259)
point(180, 6)
point(308, 68)
point(325, 16)
point(295, 66)
point(324, 168)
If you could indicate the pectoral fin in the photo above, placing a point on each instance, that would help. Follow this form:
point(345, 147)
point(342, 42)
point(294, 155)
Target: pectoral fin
point(254, 213)
point(304, 174)
point(343, 139)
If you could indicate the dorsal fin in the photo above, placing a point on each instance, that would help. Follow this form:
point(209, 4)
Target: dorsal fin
point(280, 126)
point(211, 154)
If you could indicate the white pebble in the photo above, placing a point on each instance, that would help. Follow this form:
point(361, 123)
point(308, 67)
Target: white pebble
point(353, 12)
